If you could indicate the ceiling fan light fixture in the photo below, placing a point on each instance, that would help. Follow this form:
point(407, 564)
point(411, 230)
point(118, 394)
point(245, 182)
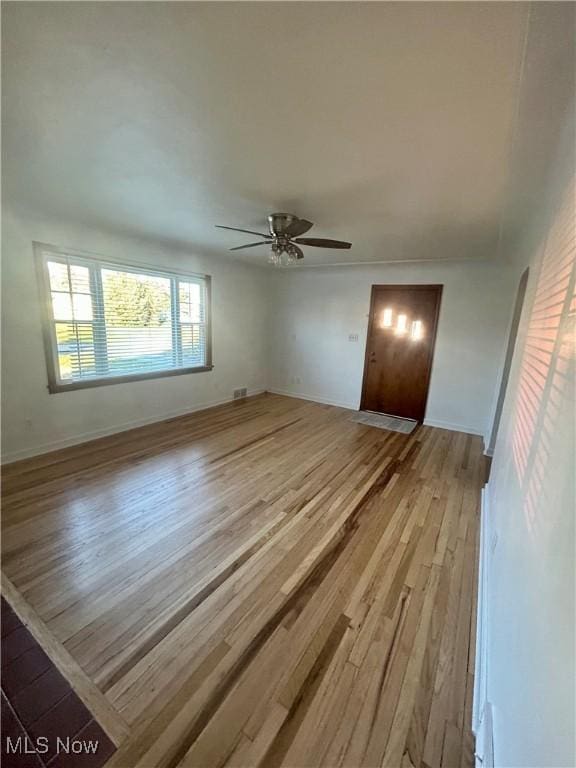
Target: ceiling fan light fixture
point(282, 255)
point(291, 254)
point(274, 255)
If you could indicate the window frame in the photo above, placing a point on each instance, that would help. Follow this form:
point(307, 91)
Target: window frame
point(44, 253)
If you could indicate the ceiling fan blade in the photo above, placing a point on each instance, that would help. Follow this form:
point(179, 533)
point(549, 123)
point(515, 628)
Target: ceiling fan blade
point(299, 252)
point(248, 231)
point(321, 242)
point(298, 227)
point(250, 245)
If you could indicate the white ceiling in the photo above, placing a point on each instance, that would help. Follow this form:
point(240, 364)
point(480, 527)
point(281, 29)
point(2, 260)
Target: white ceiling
point(387, 124)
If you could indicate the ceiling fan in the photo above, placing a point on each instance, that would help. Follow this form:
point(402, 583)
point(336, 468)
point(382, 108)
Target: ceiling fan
point(284, 238)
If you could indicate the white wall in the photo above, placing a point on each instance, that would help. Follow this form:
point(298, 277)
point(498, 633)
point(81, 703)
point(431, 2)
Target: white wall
point(36, 421)
point(315, 310)
point(530, 607)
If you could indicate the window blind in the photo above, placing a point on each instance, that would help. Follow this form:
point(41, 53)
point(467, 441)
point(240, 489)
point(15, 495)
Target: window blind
point(109, 321)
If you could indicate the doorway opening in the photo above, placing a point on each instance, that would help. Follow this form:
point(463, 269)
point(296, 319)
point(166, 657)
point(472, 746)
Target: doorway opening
point(520, 295)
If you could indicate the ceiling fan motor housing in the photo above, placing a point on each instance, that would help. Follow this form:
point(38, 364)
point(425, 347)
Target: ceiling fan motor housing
point(279, 222)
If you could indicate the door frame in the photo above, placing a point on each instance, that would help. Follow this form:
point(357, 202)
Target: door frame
point(437, 288)
point(512, 338)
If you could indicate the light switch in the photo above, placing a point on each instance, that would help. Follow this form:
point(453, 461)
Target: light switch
point(352, 337)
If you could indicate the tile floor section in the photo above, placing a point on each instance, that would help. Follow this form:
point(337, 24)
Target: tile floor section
point(43, 720)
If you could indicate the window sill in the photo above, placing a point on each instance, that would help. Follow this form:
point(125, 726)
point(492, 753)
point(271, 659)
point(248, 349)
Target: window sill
point(55, 388)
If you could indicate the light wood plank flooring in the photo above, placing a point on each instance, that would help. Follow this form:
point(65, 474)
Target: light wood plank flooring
point(265, 583)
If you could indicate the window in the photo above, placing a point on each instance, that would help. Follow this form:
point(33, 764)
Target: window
point(107, 322)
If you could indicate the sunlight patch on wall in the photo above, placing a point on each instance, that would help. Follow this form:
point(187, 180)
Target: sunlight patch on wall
point(547, 367)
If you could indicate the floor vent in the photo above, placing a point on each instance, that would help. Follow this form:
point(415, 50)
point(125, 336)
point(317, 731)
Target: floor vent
point(240, 393)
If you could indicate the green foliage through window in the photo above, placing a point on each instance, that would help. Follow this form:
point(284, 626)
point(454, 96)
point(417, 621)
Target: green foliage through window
point(135, 300)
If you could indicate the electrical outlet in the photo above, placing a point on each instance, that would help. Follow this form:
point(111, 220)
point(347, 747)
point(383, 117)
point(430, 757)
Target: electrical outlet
point(240, 393)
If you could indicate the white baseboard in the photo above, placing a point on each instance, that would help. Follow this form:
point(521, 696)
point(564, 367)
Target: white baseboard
point(481, 707)
point(453, 427)
point(481, 661)
point(484, 751)
point(314, 399)
point(84, 437)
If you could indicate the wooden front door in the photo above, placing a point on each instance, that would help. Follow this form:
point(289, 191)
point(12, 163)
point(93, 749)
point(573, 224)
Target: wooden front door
point(399, 349)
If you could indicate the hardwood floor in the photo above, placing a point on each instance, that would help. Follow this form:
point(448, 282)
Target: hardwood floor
point(265, 583)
